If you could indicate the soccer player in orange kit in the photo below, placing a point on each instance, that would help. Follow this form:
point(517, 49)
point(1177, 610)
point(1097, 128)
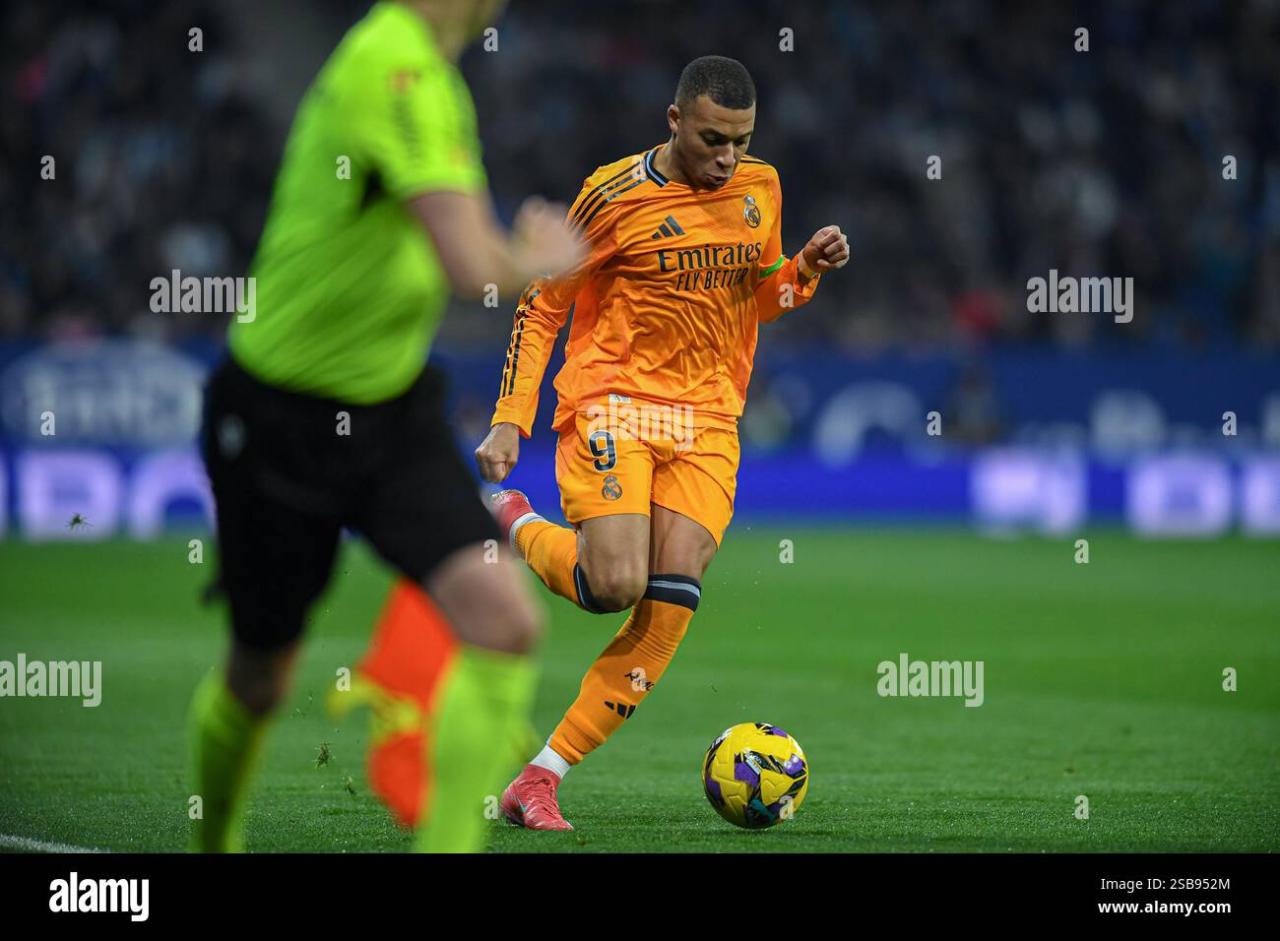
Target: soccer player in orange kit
point(685, 260)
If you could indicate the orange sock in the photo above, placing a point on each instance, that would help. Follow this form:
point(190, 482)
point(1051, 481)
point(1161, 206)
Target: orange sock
point(552, 552)
point(629, 667)
point(410, 652)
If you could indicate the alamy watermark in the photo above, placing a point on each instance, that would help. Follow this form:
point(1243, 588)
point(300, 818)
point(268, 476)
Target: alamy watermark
point(907, 677)
point(125, 896)
point(621, 419)
point(1070, 295)
point(55, 678)
point(191, 295)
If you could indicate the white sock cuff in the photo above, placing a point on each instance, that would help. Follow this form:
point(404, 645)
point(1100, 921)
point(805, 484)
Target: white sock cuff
point(515, 528)
point(550, 759)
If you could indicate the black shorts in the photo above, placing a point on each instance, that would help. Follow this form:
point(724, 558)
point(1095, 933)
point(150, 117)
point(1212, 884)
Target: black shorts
point(286, 480)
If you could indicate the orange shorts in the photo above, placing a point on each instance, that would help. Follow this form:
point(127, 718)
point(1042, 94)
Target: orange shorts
point(610, 461)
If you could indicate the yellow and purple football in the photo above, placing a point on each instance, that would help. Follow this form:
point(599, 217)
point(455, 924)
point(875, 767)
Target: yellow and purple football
point(755, 775)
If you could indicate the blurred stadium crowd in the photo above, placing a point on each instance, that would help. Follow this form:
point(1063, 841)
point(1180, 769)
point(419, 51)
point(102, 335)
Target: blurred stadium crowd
point(1100, 163)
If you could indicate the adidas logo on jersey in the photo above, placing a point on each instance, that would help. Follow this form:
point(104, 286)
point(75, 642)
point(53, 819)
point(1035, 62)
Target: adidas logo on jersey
point(668, 228)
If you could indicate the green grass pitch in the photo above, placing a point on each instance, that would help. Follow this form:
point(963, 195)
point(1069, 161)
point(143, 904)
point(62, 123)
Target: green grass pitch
point(1103, 680)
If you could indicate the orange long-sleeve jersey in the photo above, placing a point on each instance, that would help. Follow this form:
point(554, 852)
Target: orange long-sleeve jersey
point(667, 303)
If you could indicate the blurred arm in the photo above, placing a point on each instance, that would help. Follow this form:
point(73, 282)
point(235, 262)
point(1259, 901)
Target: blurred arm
point(473, 248)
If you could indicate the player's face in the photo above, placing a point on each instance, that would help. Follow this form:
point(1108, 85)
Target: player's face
point(710, 140)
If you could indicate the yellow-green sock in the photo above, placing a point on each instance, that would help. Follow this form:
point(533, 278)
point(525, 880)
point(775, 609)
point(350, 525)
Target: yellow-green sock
point(226, 740)
point(482, 712)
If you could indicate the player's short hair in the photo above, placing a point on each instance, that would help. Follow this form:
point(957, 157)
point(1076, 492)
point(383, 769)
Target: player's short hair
point(725, 81)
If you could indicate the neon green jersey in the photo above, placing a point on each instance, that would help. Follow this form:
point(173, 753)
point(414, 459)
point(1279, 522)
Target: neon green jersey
point(348, 288)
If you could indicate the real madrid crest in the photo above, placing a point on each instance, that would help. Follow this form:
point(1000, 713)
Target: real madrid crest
point(750, 211)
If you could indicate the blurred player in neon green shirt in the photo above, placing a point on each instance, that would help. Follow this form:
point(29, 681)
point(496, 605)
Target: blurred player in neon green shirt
point(324, 416)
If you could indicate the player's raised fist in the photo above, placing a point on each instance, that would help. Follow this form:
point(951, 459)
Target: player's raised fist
point(544, 243)
point(498, 452)
point(826, 250)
